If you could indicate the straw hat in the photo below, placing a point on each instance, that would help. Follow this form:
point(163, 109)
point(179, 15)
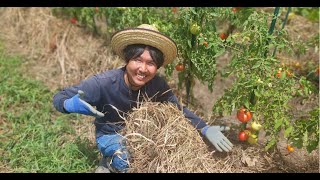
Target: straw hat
point(144, 34)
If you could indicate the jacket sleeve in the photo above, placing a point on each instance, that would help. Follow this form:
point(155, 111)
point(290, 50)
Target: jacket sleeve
point(90, 87)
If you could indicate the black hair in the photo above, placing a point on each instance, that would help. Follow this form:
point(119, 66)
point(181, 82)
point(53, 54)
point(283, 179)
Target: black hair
point(135, 50)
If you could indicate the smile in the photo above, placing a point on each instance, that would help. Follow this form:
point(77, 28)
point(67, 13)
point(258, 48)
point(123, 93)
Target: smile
point(141, 77)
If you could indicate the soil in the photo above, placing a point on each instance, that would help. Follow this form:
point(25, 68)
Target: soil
point(60, 54)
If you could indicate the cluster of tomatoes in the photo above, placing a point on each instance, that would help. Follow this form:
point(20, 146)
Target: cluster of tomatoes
point(225, 35)
point(195, 29)
point(249, 134)
point(284, 73)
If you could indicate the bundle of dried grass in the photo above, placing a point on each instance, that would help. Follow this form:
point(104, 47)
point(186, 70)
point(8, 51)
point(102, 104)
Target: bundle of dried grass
point(160, 139)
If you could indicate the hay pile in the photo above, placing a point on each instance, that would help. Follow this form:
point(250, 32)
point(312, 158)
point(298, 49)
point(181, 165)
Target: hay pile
point(160, 139)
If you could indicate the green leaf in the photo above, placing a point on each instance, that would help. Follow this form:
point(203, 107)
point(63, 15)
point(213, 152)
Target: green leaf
point(278, 123)
point(305, 137)
point(288, 131)
point(313, 145)
point(247, 104)
point(219, 53)
point(189, 43)
point(256, 65)
point(256, 93)
point(271, 143)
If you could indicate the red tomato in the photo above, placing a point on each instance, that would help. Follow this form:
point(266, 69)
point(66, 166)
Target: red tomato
point(223, 36)
point(73, 20)
point(234, 9)
point(244, 115)
point(278, 74)
point(174, 10)
point(179, 67)
point(243, 136)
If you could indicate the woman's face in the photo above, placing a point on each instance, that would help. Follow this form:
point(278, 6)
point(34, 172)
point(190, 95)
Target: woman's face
point(140, 70)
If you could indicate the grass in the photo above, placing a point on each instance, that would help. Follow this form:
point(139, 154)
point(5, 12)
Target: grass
point(34, 137)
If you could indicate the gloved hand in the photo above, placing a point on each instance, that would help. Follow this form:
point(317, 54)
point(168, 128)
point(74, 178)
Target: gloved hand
point(114, 147)
point(77, 105)
point(214, 135)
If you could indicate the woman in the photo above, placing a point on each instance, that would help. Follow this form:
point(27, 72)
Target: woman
point(116, 92)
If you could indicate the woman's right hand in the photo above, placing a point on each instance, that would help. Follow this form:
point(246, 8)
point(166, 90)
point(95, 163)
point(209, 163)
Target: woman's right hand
point(77, 105)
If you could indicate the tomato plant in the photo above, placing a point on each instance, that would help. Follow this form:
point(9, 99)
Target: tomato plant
point(252, 64)
point(254, 86)
point(305, 132)
point(196, 39)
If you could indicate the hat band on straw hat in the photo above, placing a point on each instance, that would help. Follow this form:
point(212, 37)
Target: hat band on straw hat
point(151, 37)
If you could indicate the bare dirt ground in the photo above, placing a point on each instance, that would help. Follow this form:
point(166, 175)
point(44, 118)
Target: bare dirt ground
point(60, 54)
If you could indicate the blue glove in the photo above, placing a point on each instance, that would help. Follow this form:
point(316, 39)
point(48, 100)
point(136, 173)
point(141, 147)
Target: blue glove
point(77, 105)
point(214, 135)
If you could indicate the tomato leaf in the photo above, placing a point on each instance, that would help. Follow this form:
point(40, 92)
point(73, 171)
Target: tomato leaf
point(189, 43)
point(256, 65)
point(271, 143)
point(219, 53)
point(257, 93)
point(305, 137)
point(278, 123)
point(247, 104)
point(312, 146)
point(288, 131)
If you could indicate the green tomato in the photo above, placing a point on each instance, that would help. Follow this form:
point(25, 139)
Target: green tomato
point(195, 29)
point(256, 126)
point(246, 39)
point(252, 139)
point(291, 15)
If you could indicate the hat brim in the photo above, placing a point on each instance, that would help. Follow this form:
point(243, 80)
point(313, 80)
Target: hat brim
point(166, 45)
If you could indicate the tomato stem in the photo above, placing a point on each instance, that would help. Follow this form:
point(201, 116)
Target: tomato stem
point(243, 126)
